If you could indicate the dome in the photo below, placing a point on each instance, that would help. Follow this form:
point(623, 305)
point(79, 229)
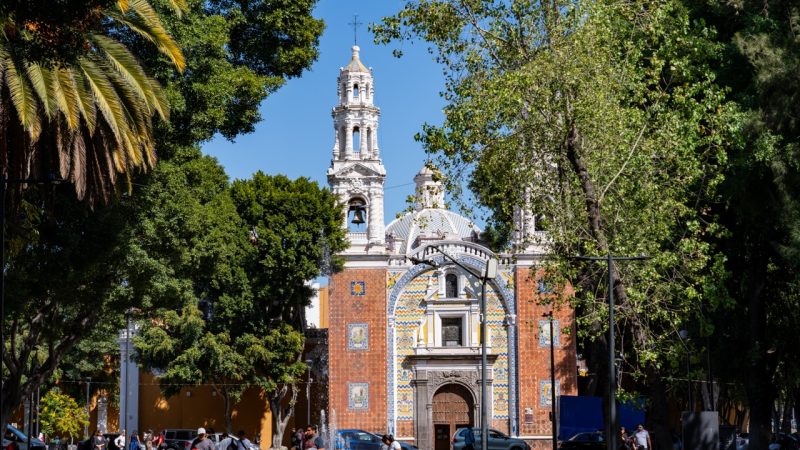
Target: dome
point(355, 64)
point(432, 223)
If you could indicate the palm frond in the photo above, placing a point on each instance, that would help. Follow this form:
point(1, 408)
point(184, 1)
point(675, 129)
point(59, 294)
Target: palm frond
point(86, 102)
point(105, 97)
point(144, 20)
point(23, 97)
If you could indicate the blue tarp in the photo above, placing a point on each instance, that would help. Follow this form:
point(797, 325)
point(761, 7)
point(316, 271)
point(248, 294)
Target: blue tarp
point(578, 414)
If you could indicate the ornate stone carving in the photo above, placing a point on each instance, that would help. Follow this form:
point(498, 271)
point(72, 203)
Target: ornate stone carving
point(438, 378)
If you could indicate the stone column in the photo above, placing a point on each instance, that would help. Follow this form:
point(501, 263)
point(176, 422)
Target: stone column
point(129, 382)
point(375, 151)
point(336, 134)
point(102, 414)
point(362, 140)
point(423, 411)
point(376, 226)
point(348, 137)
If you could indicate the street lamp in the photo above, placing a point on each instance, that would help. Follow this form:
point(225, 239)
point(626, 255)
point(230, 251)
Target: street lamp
point(611, 429)
point(684, 335)
point(308, 392)
point(5, 181)
point(549, 316)
point(489, 274)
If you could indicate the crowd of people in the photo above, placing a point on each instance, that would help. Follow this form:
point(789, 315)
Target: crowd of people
point(152, 441)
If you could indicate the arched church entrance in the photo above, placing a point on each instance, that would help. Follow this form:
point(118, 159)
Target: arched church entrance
point(453, 408)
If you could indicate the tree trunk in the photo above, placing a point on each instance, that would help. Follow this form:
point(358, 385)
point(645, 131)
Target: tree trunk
point(759, 387)
point(226, 402)
point(280, 415)
point(657, 413)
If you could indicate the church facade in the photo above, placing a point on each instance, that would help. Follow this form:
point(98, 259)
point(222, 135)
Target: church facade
point(404, 319)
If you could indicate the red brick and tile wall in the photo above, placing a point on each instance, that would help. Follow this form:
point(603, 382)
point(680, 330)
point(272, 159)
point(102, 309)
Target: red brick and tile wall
point(357, 353)
point(534, 358)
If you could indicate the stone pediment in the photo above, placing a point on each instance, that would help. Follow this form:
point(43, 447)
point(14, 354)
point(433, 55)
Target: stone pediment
point(356, 170)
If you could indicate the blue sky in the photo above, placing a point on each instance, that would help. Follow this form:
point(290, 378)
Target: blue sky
point(295, 136)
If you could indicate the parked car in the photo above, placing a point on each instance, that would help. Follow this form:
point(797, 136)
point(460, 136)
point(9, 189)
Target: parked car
point(496, 440)
point(363, 440)
point(178, 438)
point(19, 440)
point(783, 441)
point(588, 440)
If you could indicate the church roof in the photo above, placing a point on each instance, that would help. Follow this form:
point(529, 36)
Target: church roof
point(431, 223)
point(355, 64)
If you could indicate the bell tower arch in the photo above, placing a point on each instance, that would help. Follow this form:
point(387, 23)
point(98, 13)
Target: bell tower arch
point(356, 173)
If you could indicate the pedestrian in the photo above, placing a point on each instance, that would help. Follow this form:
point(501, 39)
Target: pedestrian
point(98, 442)
point(298, 438)
point(294, 441)
point(244, 443)
point(642, 438)
point(119, 442)
point(148, 440)
point(158, 440)
point(624, 439)
point(390, 443)
point(312, 440)
point(469, 439)
point(136, 443)
point(202, 442)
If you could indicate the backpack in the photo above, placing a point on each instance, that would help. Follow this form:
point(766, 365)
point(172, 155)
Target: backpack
point(232, 445)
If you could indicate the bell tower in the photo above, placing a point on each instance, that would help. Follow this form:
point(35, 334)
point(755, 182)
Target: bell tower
point(356, 173)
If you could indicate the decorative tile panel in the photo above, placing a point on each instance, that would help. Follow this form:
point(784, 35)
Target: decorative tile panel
point(544, 333)
point(358, 336)
point(358, 396)
point(545, 393)
point(405, 292)
point(358, 288)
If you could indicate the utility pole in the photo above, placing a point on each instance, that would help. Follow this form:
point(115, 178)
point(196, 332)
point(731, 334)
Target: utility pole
point(611, 424)
point(553, 410)
point(88, 409)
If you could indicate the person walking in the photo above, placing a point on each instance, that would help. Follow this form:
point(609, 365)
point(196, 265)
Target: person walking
point(390, 443)
point(625, 439)
point(312, 440)
point(202, 442)
point(642, 438)
point(136, 443)
point(98, 442)
point(158, 440)
point(244, 443)
point(148, 440)
point(298, 438)
point(119, 442)
point(469, 439)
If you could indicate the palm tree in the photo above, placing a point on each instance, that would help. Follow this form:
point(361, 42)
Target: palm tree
point(86, 118)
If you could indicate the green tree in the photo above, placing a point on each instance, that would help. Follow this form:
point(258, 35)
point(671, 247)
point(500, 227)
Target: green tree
point(300, 233)
point(604, 120)
point(60, 415)
point(755, 339)
point(239, 328)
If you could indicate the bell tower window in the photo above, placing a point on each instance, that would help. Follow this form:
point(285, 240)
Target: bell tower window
point(356, 140)
point(357, 215)
point(355, 90)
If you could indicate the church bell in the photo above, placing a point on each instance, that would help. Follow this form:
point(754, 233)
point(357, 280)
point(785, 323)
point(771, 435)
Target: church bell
point(358, 215)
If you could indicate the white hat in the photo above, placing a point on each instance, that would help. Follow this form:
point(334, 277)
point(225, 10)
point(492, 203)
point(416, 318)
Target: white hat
point(201, 430)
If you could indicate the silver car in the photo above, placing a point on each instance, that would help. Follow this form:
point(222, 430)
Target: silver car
point(496, 440)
